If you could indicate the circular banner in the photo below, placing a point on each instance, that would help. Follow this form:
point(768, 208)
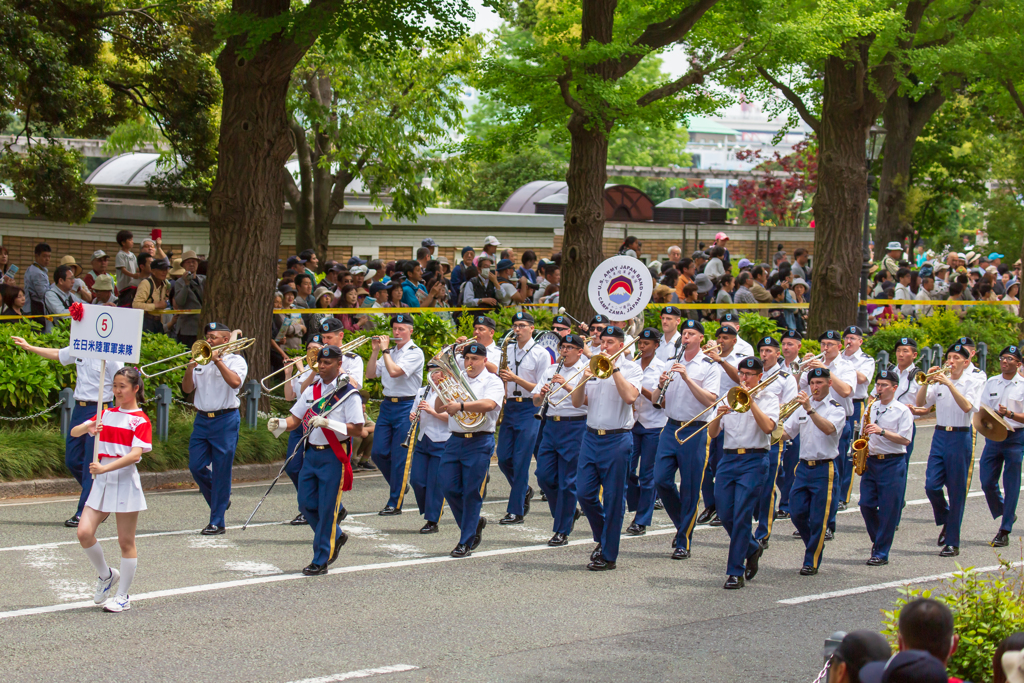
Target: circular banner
point(621, 287)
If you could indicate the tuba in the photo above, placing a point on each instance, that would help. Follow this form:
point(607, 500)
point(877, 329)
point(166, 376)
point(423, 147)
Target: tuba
point(453, 387)
point(860, 446)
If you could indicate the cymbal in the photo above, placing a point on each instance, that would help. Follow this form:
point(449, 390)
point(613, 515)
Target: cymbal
point(989, 424)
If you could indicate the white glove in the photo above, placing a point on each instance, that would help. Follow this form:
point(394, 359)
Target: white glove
point(324, 423)
point(277, 426)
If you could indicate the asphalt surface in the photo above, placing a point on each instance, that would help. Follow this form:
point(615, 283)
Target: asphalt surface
point(396, 607)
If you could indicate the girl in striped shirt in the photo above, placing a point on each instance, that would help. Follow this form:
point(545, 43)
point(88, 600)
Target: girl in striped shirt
point(124, 435)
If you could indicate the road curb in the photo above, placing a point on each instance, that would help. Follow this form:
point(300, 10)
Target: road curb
point(150, 480)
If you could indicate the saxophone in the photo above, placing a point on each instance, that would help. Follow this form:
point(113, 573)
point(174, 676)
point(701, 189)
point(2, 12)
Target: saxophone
point(503, 365)
point(860, 446)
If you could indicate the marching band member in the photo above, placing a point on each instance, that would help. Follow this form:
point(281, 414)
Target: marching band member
point(561, 325)
point(296, 385)
point(559, 450)
point(646, 432)
point(742, 346)
point(728, 358)
point(526, 362)
point(125, 433)
point(973, 371)
point(400, 369)
point(326, 467)
point(951, 461)
point(853, 338)
point(333, 334)
point(790, 348)
point(431, 440)
point(215, 430)
point(671, 338)
point(906, 393)
point(597, 325)
point(785, 389)
point(604, 453)
point(695, 388)
point(742, 471)
point(78, 449)
point(467, 454)
point(483, 332)
point(1004, 394)
point(819, 423)
point(884, 480)
point(843, 380)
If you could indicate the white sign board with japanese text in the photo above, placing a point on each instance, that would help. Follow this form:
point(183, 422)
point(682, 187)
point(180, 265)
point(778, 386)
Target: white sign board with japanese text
point(107, 333)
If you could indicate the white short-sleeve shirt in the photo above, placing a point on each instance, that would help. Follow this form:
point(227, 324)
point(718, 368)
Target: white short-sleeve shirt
point(947, 411)
point(894, 417)
point(572, 376)
point(528, 362)
point(605, 408)
point(212, 390)
point(680, 403)
point(87, 384)
point(486, 385)
point(645, 412)
point(410, 359)
point(741, 430)
point(434, 428)
point(814, 443)
point(668, 349)
point(1008, 393)
point(352, 365)
point(845, 372)
point(865, 365)
point(349, 412)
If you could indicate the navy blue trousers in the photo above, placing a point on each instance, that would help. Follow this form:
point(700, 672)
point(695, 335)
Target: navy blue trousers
point(640, 480)
point(910, 453)
point(463, 472)
point(812, 496)
point(690, 460)
point(78, 451)
point(557, 465)
point(387, 452)
point(950, 465)
point(603, 462)
point(738, 484)
point(1002, 457)
point(294, 466)
point(765, 512)
point(846, 486)
point(320, 484)
point(841, 463)
point(425, 478)
point(790, 458)
point(881, 500)
point(516, 439)
point(213, 443)
point(707, 487)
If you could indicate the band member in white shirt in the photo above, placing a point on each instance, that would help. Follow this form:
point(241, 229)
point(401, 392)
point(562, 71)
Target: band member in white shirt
point(742, 471)
point(742, 346)
point(594, 330)
point(431, 438)
point(78, 449)
point(483, 332)
point(951, 460)
point(604, 453)
point(1004, 394)
point(559, 450)
point(906, 393)
point(789, 345)
point(853, 338)
point(292, 391)
point(671, 343)
point(215, 430)
point(640, 491)
point(467, 454)
point(728, 358)
point(332, 332)
point(885, 479)
point(785, 390)
point(400, 369)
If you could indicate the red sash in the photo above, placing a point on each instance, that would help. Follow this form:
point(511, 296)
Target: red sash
point(343, 453)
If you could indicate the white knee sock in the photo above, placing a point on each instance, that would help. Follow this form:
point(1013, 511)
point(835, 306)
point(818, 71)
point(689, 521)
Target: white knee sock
point(128, 565)
point(95, 555)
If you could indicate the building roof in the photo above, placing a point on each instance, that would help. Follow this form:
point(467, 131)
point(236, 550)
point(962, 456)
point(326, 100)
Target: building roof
point(125, 170)
point(699, 124)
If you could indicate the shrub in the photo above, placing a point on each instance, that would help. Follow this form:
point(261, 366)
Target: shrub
point(754, 326)
point(886, 337)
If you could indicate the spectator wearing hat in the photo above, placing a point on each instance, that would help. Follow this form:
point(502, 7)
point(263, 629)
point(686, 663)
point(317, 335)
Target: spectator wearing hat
point(956, 397)
point(78, 286)
point(187, 295)
point(99, 262)
point(857, 649)
point(480, 290)
point(891, 262)
point(785, 389)
point(509, 292)
point(640, 491)
point(103, 291)
point(491, 245)
point(152, 295)
point(1004, 394)
point(721, 240)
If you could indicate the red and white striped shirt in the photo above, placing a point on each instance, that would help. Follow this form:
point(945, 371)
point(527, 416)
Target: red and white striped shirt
point(124, 430)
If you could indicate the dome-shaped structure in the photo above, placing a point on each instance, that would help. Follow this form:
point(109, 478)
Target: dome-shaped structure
point(621, 202)
point(126, 170)
point(553, 204)
point(672, 210)
point(627, 203)
point(525, 198)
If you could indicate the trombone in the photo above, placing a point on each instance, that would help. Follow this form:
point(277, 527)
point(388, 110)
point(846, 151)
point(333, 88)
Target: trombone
point(312, 360)
point(738, 399)
point(601, 366)
point(932, 377)
point(348, 347)
point(201, 353)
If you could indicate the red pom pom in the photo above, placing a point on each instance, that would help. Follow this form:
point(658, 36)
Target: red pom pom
point(77, 310)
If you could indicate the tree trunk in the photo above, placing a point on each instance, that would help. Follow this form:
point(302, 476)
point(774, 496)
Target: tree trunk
point(584, 215)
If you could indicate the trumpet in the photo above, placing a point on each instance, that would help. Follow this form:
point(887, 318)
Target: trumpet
point(932, 377)
point(601, 367)
point(201, 353)
point(312, 358)
point(738, 400)
point(356, 343)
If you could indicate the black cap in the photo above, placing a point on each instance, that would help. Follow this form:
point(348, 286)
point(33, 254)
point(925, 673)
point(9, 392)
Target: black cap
point(862, 647)
point(403, 319)
point(767, 341)
point(217, 327)
point(355, 261)
point(378, 287)
point(853, 329)
point(910, 666)
point(485, 321)
point(693, 325)
point(966, 341)
point(651, 333)
point(906, 341)
point(612, 331)
point(561, 320)
point(331, 325)
point(1011, 350)
point(287, 287)
point(329, 351)
point(574, 339)
point(599, 320)
point(960, 349)
point(315, 339)
point(890, 374)
point(832, 335)
point(475, 349)
point(160, 264)
point(751, 363)
point(792, 334)
point(819, 372)
point(725, 329)
point(730, 318)
point(672, 310)
point(522, 318)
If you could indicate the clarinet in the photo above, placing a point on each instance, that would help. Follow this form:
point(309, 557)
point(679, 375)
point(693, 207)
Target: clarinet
point(659, 393)
point(543, 414)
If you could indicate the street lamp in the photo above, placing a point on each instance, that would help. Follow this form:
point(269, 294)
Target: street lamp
point(875, 141)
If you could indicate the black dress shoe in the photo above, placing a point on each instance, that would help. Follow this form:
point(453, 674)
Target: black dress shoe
point(796, 532)
point(601, 565)
point(658, 505)
point(558, 540)
point(715, 520)
point(389, 510)
point(72, 522)
point(596, 553)
point(314, 569)
point(511, 519)
point(876, 562)
point(461, 550)
point(429, 528)
point(1001, 540)
point(543, 497)
point(575, 516)
point(705, 516)
point(842, 505)
point(526, 501)
point(680, 554)
point(479, 535)
point(949, 551)
point(808, 570)
point(339, 540)
point(763, 543)
point(942, 536)
point(635, 529)
point(211, 530)
point(781, 514)
point(343, 513)
point(228, 507)
point(733, 582)
point(751, 570)
point(299, 520)
point(829, 535)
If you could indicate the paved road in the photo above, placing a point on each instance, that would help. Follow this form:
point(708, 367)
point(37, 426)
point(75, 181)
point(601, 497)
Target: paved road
point(234, 608)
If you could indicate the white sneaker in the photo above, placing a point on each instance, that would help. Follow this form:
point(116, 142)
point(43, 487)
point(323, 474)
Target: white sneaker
point(118, 603)
point(103, 586)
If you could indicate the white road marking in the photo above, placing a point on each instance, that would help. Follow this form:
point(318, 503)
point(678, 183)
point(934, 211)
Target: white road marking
point(252, 568)
point(888, 584)
point(204, 542)
point(361, 673)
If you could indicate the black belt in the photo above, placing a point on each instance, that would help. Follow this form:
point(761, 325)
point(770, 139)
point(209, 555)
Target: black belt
point(574, 418)
point(518, 399)
point(679, 423)
point(216, 413)
point(743, 451)
point(398, 399)
point(815, 463)
point(858, 400)
point(469, 435)
point(952, 429)
point(607, 432)
point(85, 404)
point(886, 456)
point(323, 448)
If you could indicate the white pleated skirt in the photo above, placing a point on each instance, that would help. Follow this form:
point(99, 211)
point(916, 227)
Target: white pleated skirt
point(117, 491)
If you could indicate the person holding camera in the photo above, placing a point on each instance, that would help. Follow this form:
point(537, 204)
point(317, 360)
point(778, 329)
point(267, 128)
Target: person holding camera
point(187, 295)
